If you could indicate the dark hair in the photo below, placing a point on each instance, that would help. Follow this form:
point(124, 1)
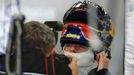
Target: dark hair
point(38, 36)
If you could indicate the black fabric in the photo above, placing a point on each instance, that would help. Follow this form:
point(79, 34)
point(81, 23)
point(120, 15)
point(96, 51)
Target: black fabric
point(100, 72)
point(33, 61)
point(36, 63)
point(103, 72)
point(61, 68)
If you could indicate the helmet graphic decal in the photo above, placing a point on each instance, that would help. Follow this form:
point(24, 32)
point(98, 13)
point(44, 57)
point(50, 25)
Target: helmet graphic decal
point(84, 29)
point(75, 33)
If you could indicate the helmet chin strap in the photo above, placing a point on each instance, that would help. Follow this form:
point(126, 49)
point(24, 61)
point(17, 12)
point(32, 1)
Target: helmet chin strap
point(94, 54)
point(108, 51)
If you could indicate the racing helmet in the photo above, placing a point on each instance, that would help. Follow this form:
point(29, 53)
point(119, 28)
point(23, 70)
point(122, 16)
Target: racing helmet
point(88, 21)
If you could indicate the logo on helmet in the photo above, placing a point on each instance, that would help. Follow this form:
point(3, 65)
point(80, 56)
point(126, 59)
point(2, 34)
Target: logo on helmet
point(73, 36)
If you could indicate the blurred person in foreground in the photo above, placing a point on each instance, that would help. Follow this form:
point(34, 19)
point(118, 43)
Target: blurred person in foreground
point(87, 35)
point(37, 55)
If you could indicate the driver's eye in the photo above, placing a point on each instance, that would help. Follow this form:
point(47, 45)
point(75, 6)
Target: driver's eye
point(81, 46)
point(68, 45)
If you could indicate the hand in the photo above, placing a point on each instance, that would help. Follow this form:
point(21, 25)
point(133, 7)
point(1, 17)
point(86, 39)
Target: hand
point(73, 64)
point(102, 60)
